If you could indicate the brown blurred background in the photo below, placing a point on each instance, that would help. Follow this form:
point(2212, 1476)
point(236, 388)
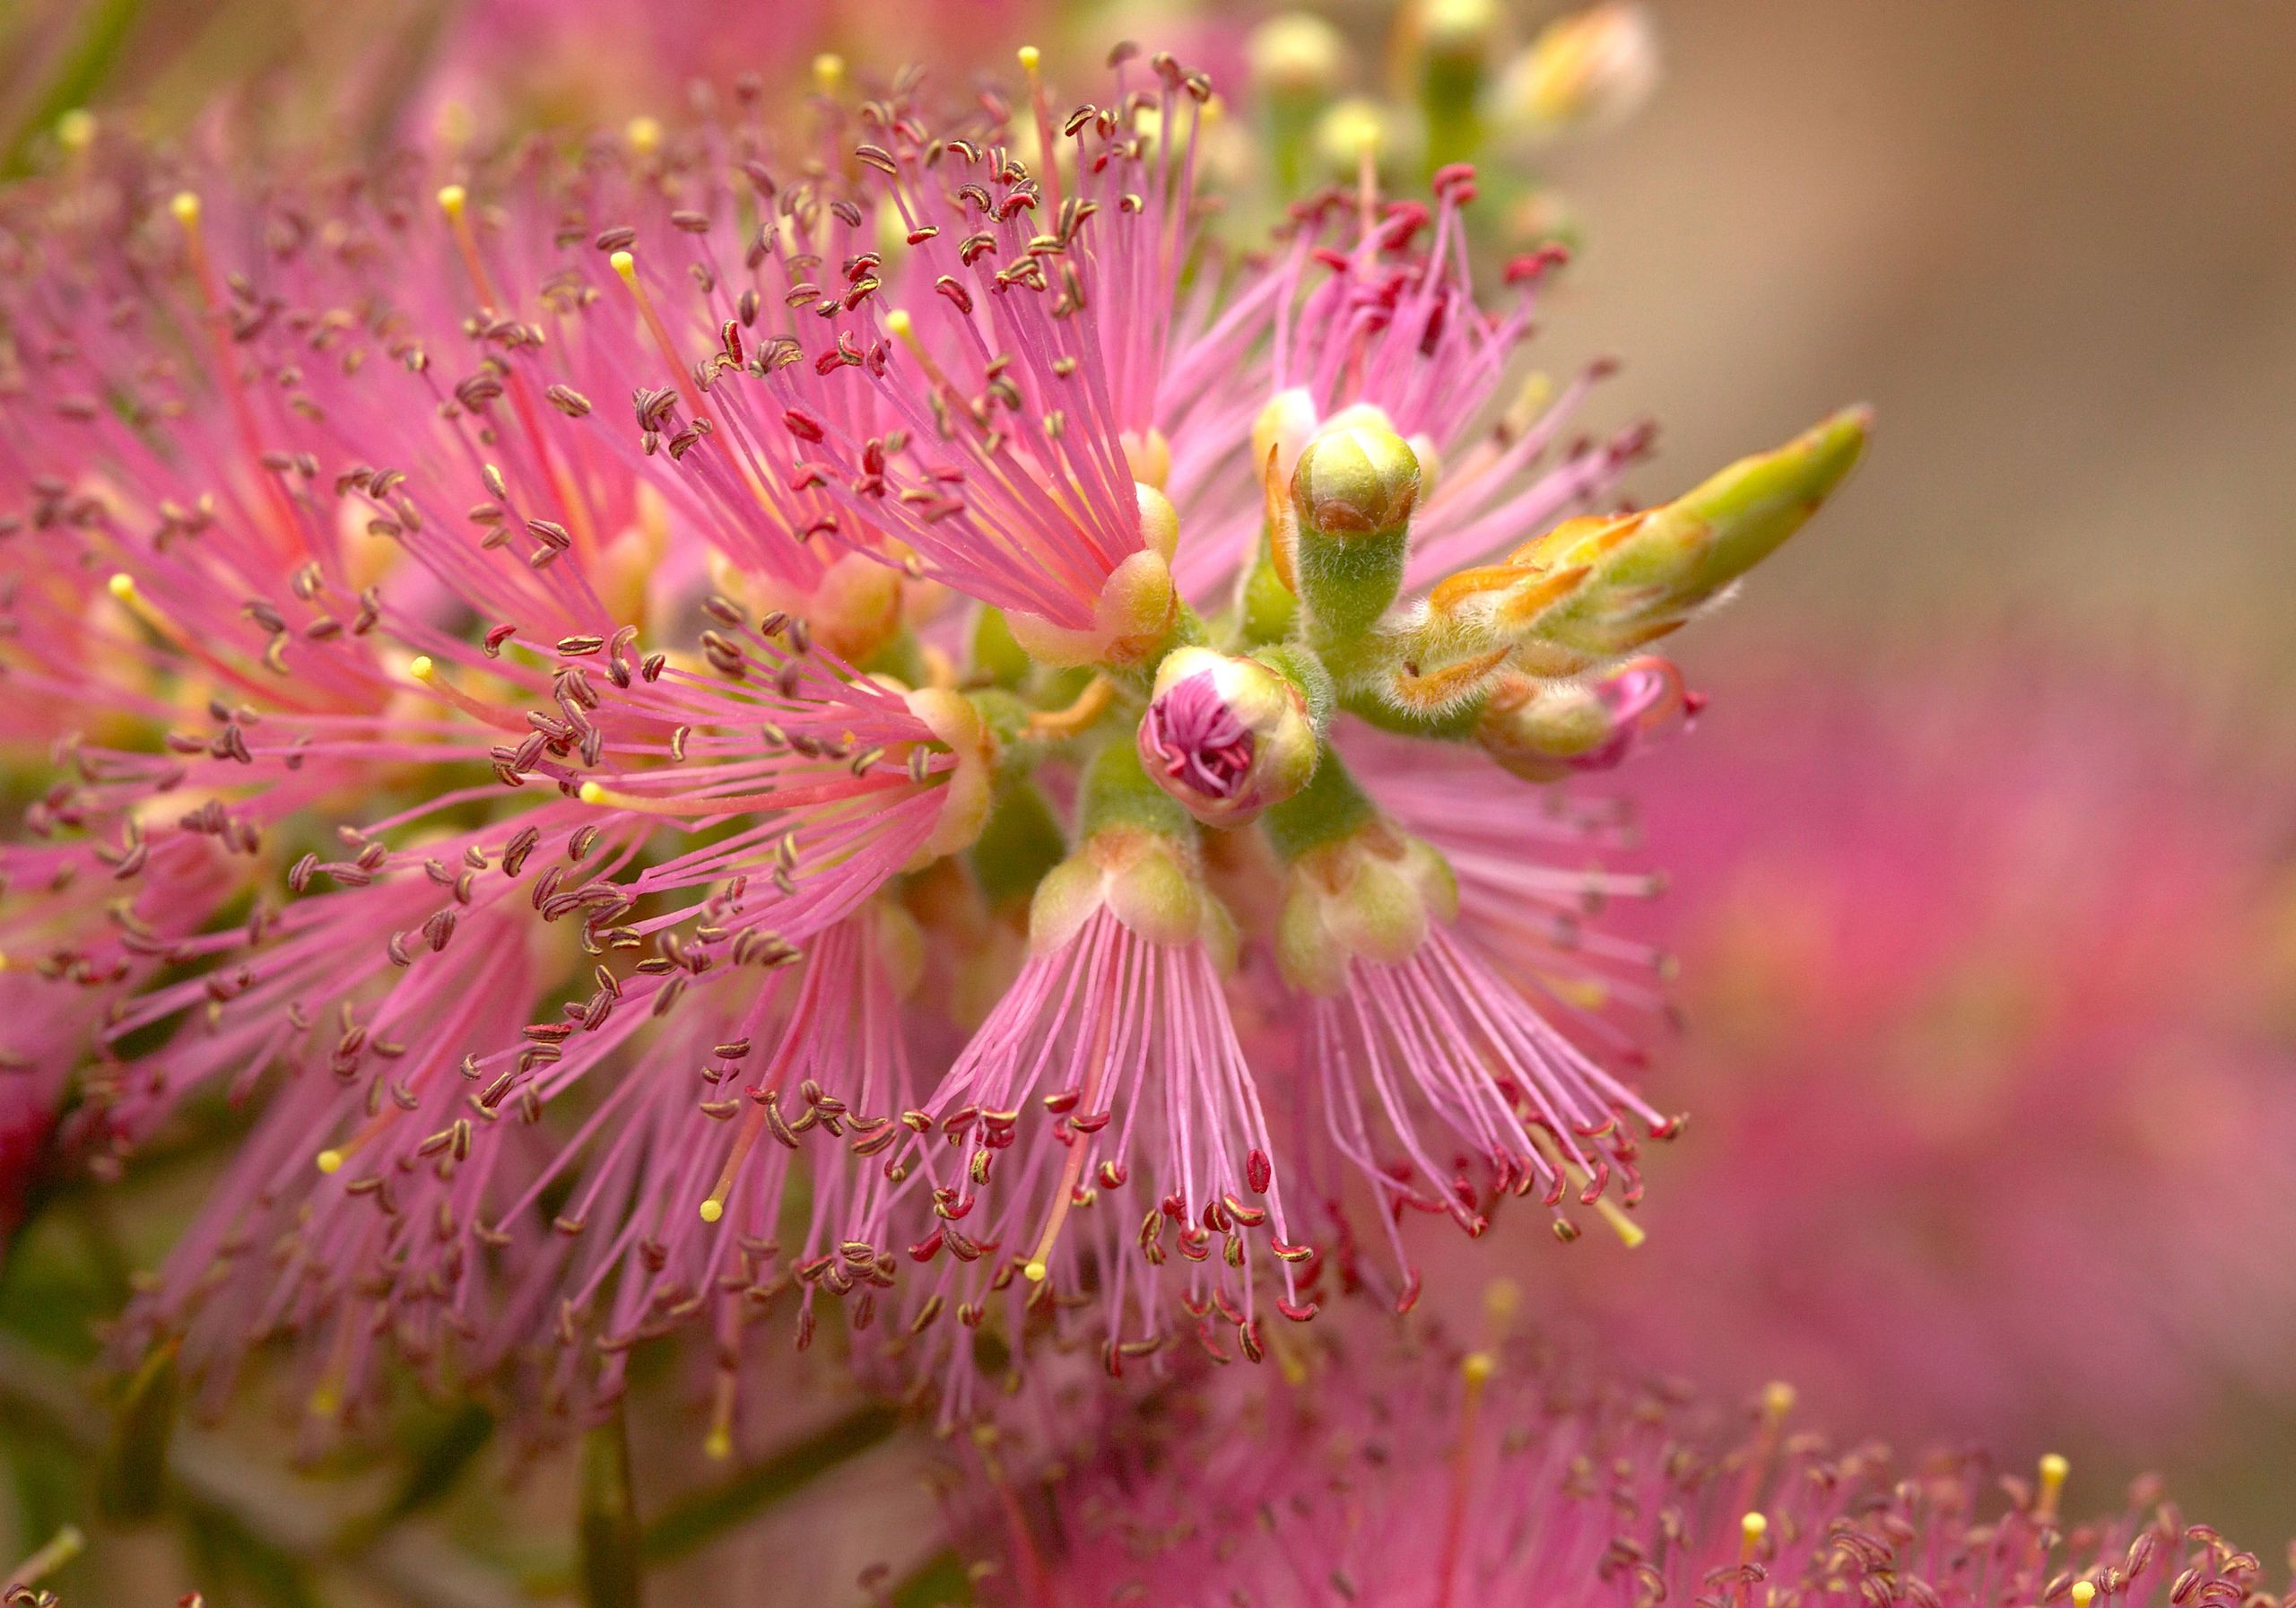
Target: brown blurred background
point(2053, 240)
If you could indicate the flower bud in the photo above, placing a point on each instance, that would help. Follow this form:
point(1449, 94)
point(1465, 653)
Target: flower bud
point(1361, 480)
point(1137, 606)
point(1296, 53)
point(1143, 878)
point(1546, 731)
point(1284, 427)
point(1651, 570)
point(957, 726)
point(1226, 737)
point(1355, 128)
point(1585, 71)
point(1368, 896)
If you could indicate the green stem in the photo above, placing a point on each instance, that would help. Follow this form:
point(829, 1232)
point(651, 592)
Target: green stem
point(1330, 807)
point(612, 1571)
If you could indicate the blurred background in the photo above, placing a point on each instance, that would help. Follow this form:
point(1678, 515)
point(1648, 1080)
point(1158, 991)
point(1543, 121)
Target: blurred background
point(1982, 856)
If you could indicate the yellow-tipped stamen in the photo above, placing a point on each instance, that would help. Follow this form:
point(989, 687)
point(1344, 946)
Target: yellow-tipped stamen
point(1475, 1369)
point(186, 209)
point(1040, 1262)
point(745, 1137)
point(718, 1445)
point(327, 1396)
point(2053, 1472)
point(67, 1545)
point(644, 135)
point(1032, 64)
point(136, 602)
point(1066, 722)
point(1630, 1233)
point(1751, 1529)
point(1777, 1399)
point(903, 328)
point(828, 73)
point(425, 669)
point(626, 266)
point(2084, 1592)
point(454, 201)
point(330, 1159)
point(75, 130)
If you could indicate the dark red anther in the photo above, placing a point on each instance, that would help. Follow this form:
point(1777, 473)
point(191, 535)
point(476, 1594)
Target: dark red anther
point(1451, 174)
point(1258, 1171)
point(1410, 1296)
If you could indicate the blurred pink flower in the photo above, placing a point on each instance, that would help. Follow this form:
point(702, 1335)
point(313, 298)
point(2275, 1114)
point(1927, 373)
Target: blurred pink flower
point(1425, 1478)
point(1991, 1121)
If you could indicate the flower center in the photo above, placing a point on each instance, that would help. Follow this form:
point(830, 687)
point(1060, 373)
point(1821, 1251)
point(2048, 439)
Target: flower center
point(1197, 739)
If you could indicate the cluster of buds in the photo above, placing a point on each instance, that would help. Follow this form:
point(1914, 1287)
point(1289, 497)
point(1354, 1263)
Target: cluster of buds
point(1458, 82)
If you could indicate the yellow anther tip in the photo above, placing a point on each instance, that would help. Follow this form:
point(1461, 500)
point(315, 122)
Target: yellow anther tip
point(1035, 1271)
point(2054, 1469)
point(422, 669)
point(4, 960)
point(1753, 1526)
point(330, 1161)
point(592, 793)
point(828, 71)
point(186, 208)
point(644, 135)
point(451, 198)
point(898, 324)
point(75, 130)
point(1777, 1398)
point(711, 1210)
point(718, 1445)
point(1477, 1367)
point(121, 586)
point(2084, 1592)
point(1031, 59)
point(624, 265)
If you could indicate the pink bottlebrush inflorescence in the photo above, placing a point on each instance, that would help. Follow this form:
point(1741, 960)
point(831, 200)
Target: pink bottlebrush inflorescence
point(759, 720)
point(1429, 1478)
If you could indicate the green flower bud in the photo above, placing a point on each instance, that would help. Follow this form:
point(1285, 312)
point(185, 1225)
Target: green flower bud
point(1356, 480)
point(1370, 896)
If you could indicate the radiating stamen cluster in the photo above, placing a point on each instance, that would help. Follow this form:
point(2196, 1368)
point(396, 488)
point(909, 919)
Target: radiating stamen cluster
point(870, 825)
point(1391, 1478)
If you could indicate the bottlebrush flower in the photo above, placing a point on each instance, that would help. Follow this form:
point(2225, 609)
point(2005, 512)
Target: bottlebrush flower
point(2003, 986)
point(1432, 1477)
point(626, 807)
